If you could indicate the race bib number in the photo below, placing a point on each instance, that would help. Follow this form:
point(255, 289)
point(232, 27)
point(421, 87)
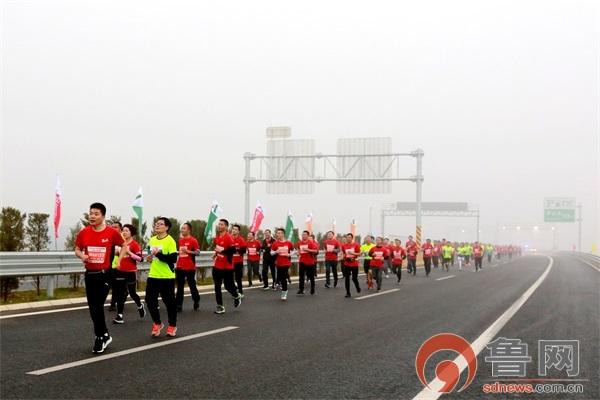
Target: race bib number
point(283, 251)
point(304, 249)
point(219, 249)
point(397, 254)
point(96, 254)
point(330, 248)
point(378, 255)
point(349, 253)
point(252, 251)
point(427, 252)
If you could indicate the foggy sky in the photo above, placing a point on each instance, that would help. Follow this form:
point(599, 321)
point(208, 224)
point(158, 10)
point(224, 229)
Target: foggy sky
point(502, 96)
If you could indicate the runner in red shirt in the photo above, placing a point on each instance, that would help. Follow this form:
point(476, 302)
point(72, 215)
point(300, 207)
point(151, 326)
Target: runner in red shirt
point(478, 256)
point(93, 246)
point(427, 254)
point(332, 251)
point(126, 275)
point(253, 248)
point(398, 255)
point(378, 254)
point(437, 251)
point(314, 239)
point(238, 257)
point(186, 266)
point(350, 253)
point(282, 248)
point(412, 249)
point(222, 271)
point(307, 249)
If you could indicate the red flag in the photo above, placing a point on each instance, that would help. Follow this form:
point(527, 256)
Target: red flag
point(57, 207)
point(259, 215)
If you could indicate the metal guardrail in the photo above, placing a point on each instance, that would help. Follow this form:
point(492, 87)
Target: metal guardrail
point(14, 264)
point(54, 263)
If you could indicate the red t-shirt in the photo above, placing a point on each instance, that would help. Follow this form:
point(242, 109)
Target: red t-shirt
point(284, 250)
point(253, 249)
point(351, 260)
point(478, 251)
point(378, 254)
point(98, 246)
point(186, 261)
point(436, 250)
point(307, 258)
point(412, 250)
point(330, 247)
point(427, 250)
point(398, 254)
point(240, 249)
point(128, 264)
point(222, 243)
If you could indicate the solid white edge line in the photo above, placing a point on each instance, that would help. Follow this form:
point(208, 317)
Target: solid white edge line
point(128, 351)
point(479, 344)
point(376, 294)
point(446, 277)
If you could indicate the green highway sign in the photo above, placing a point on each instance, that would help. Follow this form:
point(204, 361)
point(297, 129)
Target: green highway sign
point(559, 209)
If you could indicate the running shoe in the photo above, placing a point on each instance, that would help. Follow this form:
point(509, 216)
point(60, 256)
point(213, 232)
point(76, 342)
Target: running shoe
point(142, 311)
point(156, 328)
point(219, 310)
point(118, 319)
point(284, 295)
point(237, 301)
point(171, 331)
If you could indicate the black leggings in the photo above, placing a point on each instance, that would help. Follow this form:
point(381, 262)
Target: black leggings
point(125, 282)
point(331, 265)
point(427, 263)
point(96, 291)
point(309, 271)
point(282, 277)
point(166, 289)
point(183, 275)
point(347, 271)
point(252, 271)
point(239, 274)
point(225, 276)
point(399, 272)
point(269, 264)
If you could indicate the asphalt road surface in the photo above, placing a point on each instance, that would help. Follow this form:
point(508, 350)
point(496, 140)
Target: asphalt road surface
point(323, 346)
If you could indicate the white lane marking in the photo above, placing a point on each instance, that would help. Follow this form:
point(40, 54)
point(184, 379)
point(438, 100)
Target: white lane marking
point(479, 344)
point(376, 294)
point(446, 277)
point(128, 351)
point(57, 310)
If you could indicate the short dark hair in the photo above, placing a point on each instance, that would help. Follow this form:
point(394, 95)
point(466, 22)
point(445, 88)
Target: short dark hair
point(223, 220)
point(117, 223)
point(188, 225)
point(251, 233)
point(267, 230)
point(349, 234)
point(99, 206)
point(281, 229)
point(167, 222)
point(328, 232)
point(236, 226)
point(131, 228)
point(307, 232)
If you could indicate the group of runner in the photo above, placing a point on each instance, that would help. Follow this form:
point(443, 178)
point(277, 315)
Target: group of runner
point(111, 254)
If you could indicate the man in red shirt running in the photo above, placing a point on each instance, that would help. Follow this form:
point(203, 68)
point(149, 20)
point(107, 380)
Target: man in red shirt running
point(238, 257)
point(350, 263)
point(378, 254)
point(427, 254)
point(93, 246)
point(186, 266)
point(282, 249)
point(398, 255)
point(223, 268)
point(412, 249)
point(332, 250)
point(253, 248)
point(478, 255)
point(307, 248)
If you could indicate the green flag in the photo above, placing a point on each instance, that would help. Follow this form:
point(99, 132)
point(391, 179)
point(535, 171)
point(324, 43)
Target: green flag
point(290, 232)
point(138, 206)
point(209, 231)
